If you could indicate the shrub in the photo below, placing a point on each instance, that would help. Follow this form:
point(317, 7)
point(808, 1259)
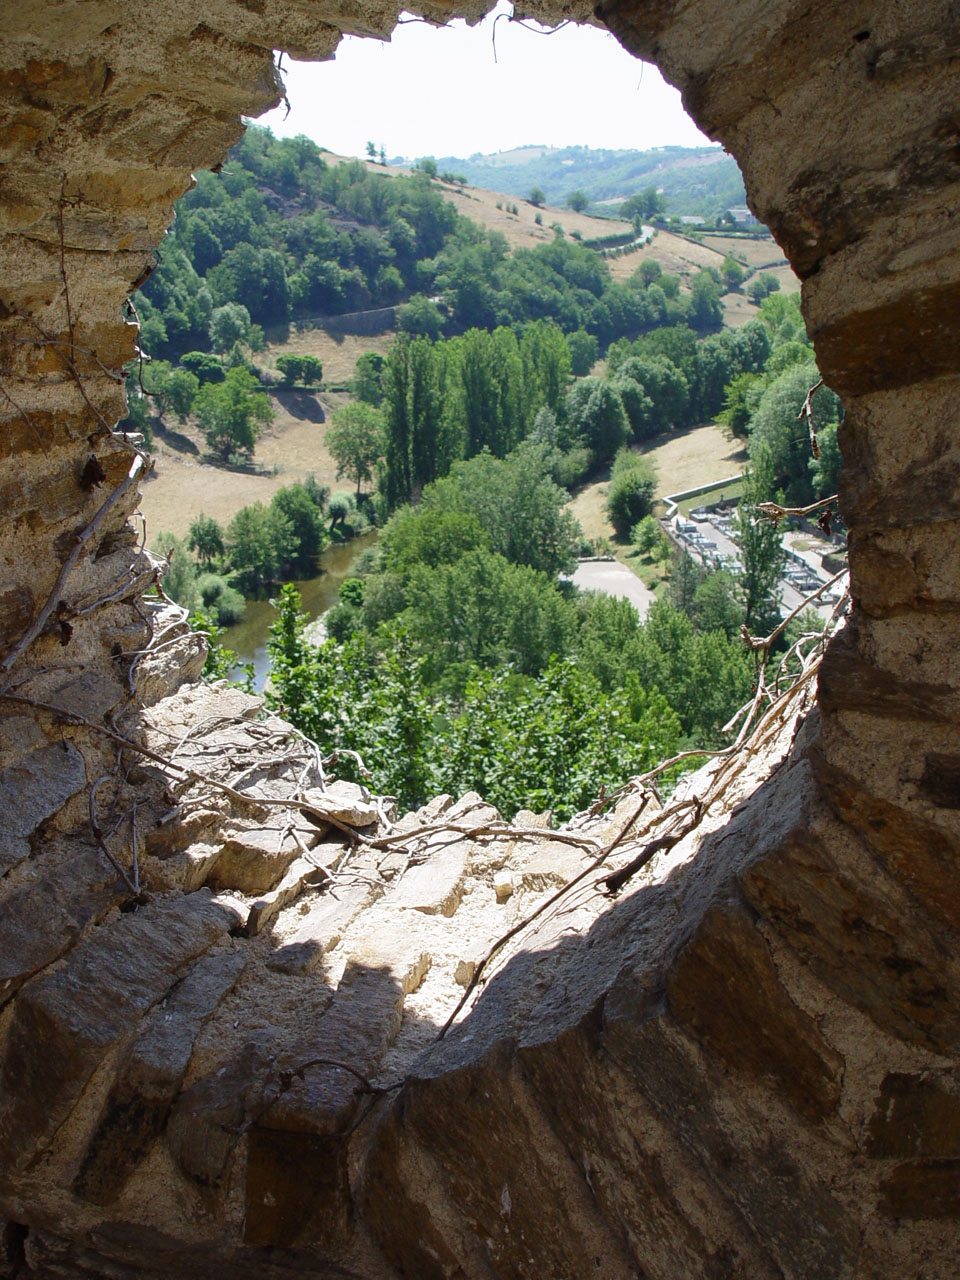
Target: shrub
point(223, 602)
point(572, 466)
point(342, 621)
point(630, 493)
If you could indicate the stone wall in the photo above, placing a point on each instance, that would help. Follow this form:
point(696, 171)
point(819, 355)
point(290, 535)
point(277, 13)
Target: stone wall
point(223, 979)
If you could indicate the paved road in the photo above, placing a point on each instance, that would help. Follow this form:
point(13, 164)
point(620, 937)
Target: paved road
point(614, 579)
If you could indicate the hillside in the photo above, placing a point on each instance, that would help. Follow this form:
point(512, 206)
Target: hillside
point(490, 206)
point(693, 180)
point(299, 235)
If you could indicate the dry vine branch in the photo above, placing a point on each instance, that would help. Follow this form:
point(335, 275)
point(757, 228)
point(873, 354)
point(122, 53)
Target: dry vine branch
point(528, 920)
point(775, 512)
point(806, 411)
point(132, 885)
point(495, 829)
point(756, 643)
point(25, 416)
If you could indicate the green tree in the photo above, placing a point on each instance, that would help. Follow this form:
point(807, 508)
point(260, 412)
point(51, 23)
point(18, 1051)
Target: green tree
point(717, 606)
point(291, 367)
point(355, 440)
point(630, 492)
point(482, 609)
point(778, 430)
point(421, 535)
point(420, 317)
point(645, 204)
point(646, 535)
point(233, 413)
point(596, 413)
point(221, 601)
point(686, 575)
point(229, 325)
point(366, 384)
point(740, 403)
point(553, 742)
point(584, 350)
point(545, 357)
point(761, 550)
point(295, 507)
point(664, 384)
point(733, 272)
point(825, 470)
point(340, 506)
point(517, 503)
point(536, 197)
point(206, 367)
point(259, 541)
point(180, 577)
point(578, 201)
point(706, 310)
point(206, 539)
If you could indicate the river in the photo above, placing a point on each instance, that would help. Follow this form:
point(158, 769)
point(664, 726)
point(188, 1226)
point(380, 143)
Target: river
point(249, 637)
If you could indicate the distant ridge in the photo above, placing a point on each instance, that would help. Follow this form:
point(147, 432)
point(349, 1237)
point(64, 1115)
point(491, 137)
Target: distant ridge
point(694, 180)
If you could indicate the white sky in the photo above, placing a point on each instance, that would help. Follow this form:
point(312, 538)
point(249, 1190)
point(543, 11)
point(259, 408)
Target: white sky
point(438, 91)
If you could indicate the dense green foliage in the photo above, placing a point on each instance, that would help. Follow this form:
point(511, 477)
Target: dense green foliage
point(630, 492)
point(544, 740)
point(280, 235)
point(462, 661)
point(232, 414)
point(451, 399)
point(764, 405)
point(356, 441)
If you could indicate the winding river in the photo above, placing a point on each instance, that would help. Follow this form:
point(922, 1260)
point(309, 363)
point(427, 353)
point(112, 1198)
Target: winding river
point(249, 637)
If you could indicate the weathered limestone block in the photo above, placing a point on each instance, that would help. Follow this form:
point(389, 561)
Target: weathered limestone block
point(916, 1115)
point(326, 921)
point(68, 1019)
point(210, 1117)
point(78, 889)
point(254, 858)
point(150, 1078)
point(31, 790)
point(435, 885)
point(724, 980)
point(343, 802)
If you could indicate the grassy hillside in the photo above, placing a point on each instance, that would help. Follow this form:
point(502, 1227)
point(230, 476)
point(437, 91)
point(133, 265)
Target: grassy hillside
point(318, 228)
point(693, 180)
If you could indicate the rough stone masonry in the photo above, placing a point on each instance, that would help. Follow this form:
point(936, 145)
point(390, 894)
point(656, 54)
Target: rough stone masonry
point(223, 976)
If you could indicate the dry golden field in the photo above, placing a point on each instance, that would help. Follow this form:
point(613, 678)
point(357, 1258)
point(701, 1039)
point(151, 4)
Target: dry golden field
point(182, 486)
point(683, 459)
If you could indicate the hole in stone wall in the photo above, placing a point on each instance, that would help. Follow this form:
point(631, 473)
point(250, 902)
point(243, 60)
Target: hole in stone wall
point(489, 309)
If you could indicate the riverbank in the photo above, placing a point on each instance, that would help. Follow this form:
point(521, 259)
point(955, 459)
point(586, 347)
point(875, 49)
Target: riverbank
point(248, 639)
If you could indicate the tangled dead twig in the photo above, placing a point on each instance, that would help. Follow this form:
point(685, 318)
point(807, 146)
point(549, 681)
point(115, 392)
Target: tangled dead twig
point(775, 512)
point(544, 906)
point(806, 411)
